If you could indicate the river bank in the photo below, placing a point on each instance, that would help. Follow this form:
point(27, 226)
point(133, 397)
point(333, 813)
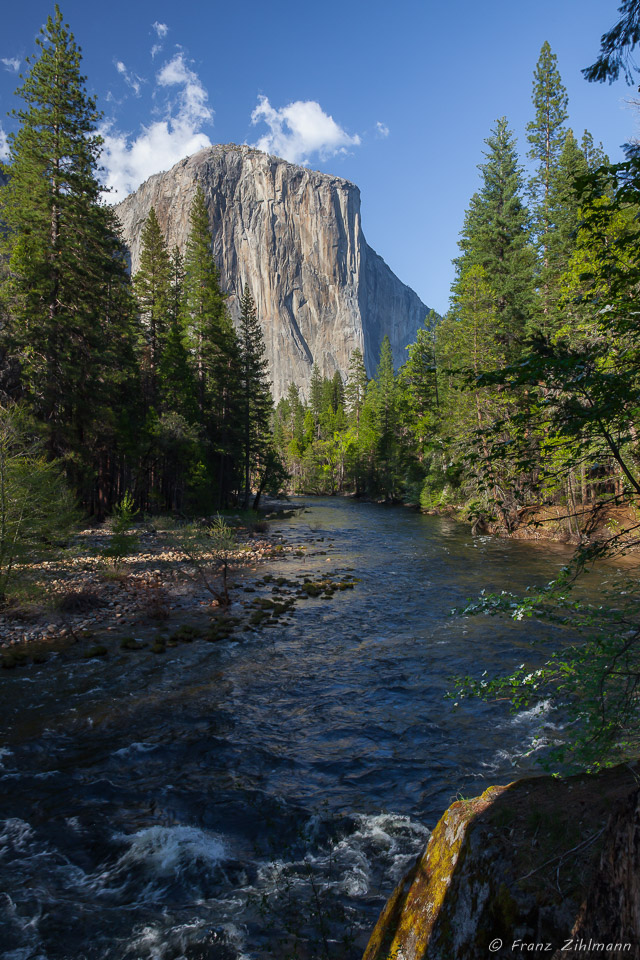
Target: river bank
point(594, 524)
point(83, 597)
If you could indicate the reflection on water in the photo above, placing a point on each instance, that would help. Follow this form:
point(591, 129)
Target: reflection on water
point(241, 800)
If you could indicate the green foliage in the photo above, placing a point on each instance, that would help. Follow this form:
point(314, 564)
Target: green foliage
point(152, 286)
point(208, 325)
point(573, 433)
point(69, 310)
point(616, 46)
point(221, 536)
point(122, 541)
point(272, 475)
point(255, 393)
point(496, 237)
point(593, 678)
point(215, 351)
point(36, 508)
point(546, 135)
point(360, 435)
point(210, 547)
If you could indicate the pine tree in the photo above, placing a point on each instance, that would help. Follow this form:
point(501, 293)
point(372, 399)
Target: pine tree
point(354, 394)
point(356, 387)
point(177, 383)
point(296, 414)
point(564, 213)
point(494, 310)
point(175, 433)
point(208, 323)
point(387, 418)
point(546, 135)
point(215, 352)
point(496, 237)
point(257, 403)
point(288, 433)
point(316, 398)
point(419, 384)
point(70, 311)
point(337, 392)
point(594, 155)
point(152, 287)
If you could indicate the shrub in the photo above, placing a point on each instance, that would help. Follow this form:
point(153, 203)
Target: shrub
point(122, 541)
point(37, 510)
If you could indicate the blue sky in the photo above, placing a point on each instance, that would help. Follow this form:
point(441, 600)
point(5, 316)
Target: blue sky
point(397, 97)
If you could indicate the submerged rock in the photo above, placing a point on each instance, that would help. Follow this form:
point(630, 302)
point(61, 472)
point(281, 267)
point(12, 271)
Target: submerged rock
point(526, 867)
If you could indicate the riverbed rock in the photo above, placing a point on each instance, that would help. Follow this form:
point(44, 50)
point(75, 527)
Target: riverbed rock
point(539, 862)
point(295, 237)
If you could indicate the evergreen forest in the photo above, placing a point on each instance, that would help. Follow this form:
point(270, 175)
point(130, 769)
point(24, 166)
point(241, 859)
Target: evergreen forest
point(128, 386)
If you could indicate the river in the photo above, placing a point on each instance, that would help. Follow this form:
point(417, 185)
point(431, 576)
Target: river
point(260, 797)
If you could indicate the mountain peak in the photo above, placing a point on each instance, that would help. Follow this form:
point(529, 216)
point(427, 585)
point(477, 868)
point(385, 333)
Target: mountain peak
point(294, 236)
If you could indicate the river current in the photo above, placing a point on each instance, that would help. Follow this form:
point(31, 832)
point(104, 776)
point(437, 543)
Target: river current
point(260, 797)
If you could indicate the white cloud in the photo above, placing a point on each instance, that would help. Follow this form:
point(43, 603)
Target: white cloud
point(4, 145)
point(299, 130)
point(161, 30)
point(131, 79)
point(11, 63)
point(128, 161)
point(192, 102)
point(382, 130)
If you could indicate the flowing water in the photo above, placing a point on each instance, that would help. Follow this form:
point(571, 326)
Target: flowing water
point(260, 797)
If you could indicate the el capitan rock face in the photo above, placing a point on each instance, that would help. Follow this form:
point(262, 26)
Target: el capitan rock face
point(294, 236)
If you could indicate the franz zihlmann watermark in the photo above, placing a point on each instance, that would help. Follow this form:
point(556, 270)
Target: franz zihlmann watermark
point(572, 945)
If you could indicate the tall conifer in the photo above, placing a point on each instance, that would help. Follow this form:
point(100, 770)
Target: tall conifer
point(255, 391)
point(152, 286)
point(546, 135)
point(178, 387)
point(356, 387)
point(207, 322)
point(70, 312)
point(214, 348)
point(496, 238)
point(564, 212)
point(387, 417)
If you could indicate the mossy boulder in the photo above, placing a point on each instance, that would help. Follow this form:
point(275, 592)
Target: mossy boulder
point(185, 634)
point(221, 629)
point(130, 643)
point(515, 865)
point(98, 651)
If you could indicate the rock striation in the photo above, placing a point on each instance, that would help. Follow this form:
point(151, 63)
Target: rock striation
point(294, 236)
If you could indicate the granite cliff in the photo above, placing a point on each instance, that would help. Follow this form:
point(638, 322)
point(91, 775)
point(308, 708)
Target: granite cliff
point(294, 235)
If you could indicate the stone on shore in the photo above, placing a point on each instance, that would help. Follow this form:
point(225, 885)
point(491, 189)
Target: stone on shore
point(541, 861)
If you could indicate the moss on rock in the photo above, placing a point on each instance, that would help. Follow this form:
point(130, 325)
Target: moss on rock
point(514, 863)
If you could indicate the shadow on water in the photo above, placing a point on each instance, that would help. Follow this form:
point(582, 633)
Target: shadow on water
point(260, 797)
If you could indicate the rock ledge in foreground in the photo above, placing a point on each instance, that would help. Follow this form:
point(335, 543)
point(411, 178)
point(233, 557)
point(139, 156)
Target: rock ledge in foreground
point(542, 861)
